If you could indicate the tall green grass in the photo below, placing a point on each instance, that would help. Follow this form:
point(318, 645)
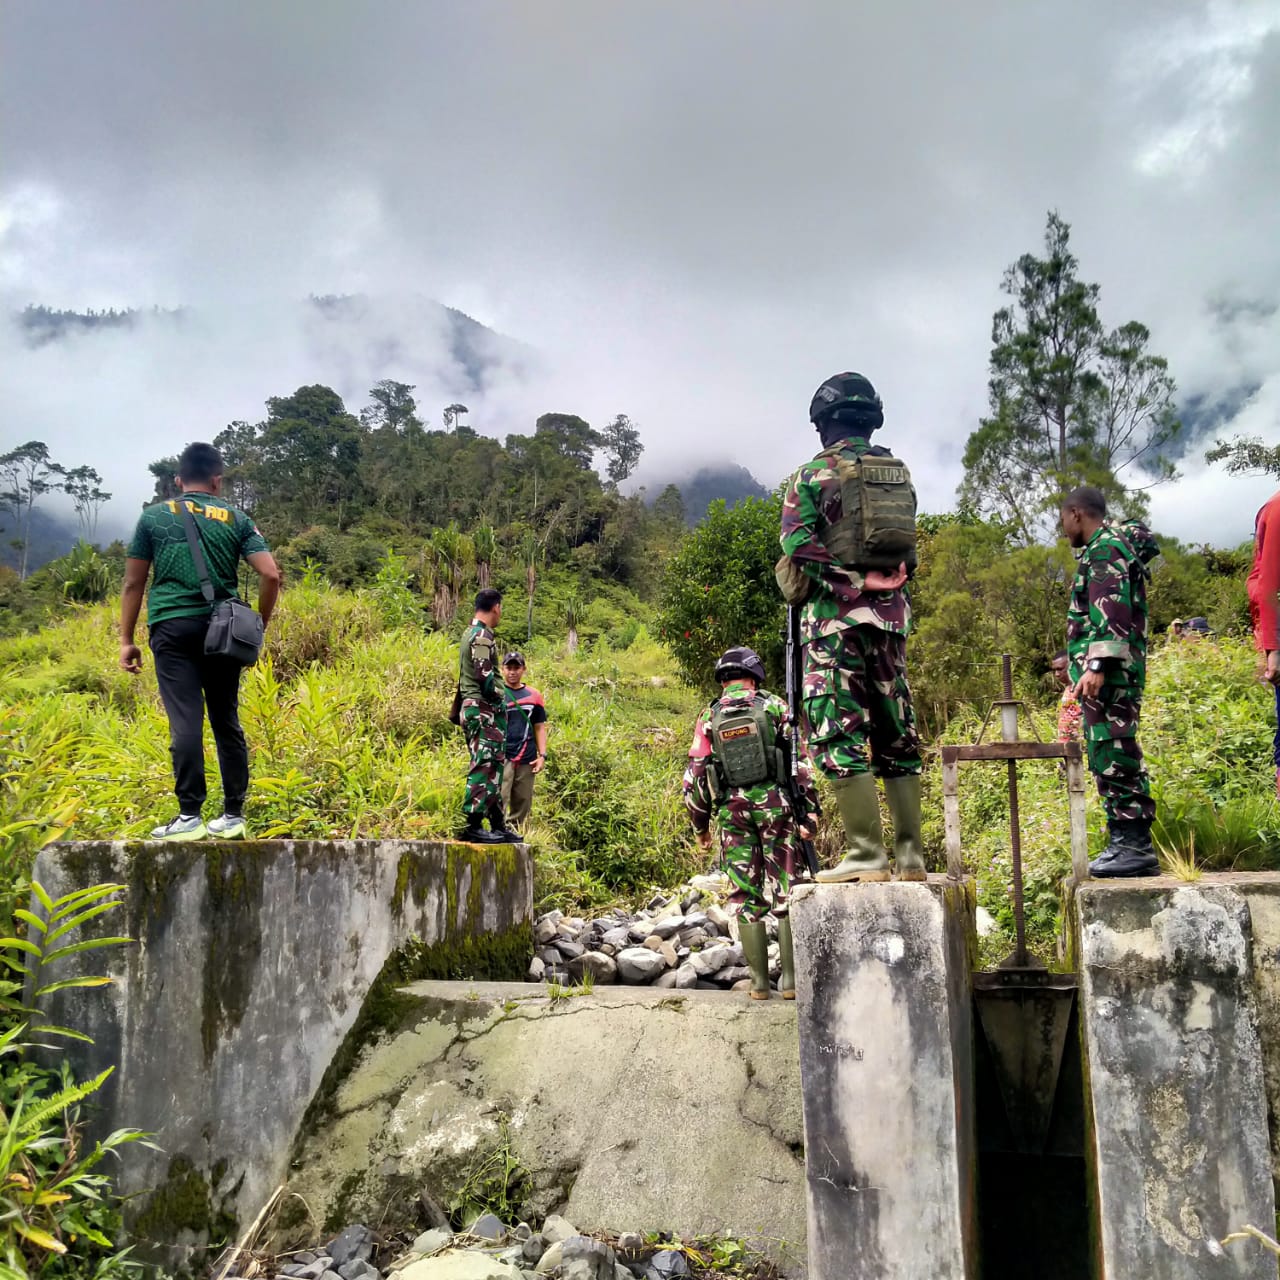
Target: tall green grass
point(345, 717)
point(1206, 731)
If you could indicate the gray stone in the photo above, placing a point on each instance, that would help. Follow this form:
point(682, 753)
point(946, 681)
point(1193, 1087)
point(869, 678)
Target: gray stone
point(601, 967)
point(618, 937)
point(568, 948)
point(304, 1257)
point(656, 903)
point(666, 1264)
point(630, 1242)
point(886, 1058)
point(639, 964)
point(359, 1269)
point(686, 976)
point(730, 974)
point(719, 917)
point(690, 900)
point(312, 1270)
point(696, 919)
point(329, 1274)
point(488, 1226)
point(712, 960)
point(513, 1255)
point(544, 931)
point(551, 1259)
point(583, 1258)
point(556, 1229)
point(667, 928)
point(534, 1247)
point(550, 956)
point(668, 953)
point(653, 942)
point(537, 969)
point(666, 981)
point(743, 984)
point(693, 938)
point(353, 1242)
point(460, 1264)
point(639, 930)
point(430, 1241)
point(621, 1272)
point(522, 1231)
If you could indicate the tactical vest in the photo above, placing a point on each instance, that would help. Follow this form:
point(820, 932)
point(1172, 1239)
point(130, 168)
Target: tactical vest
point(468, 684)
point(743, 743)
point(877, 527)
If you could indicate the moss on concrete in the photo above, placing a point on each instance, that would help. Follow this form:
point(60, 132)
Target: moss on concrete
point(233, 886)
point(184, 1201)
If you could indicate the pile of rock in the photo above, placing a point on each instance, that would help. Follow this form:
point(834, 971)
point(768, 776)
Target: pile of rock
point(682, 940)
point(489, 1250)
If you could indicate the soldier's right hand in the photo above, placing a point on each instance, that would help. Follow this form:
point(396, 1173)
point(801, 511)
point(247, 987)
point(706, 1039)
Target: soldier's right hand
point(877, 580)
point(1272, 672)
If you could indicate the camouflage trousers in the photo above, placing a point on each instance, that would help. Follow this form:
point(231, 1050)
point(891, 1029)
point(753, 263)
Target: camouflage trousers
point(757, 836)
point(486, 734)
point(1115, 758)
point(856, 710)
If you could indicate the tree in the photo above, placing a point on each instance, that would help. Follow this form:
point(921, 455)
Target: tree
point(393, 408)
point(572, 616)
point(26, 475)
point(164, 472)
point(486, 545)
point(570, 436)
point(452, 413)
point(532, 553)
point(1071, 403)
point(84, 485)
point(719, 590)
point(621, 443)
point(1246, 455)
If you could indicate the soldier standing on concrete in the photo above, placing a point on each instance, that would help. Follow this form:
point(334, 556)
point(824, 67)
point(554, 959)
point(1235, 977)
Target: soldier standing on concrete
point(484, 721)
point(737, 772)
point(849, 544)
point(1107, 647)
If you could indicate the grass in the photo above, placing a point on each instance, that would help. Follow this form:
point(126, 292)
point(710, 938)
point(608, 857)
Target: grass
point(345, 717)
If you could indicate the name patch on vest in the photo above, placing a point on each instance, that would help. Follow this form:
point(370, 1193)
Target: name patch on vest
point(743, 731)
point(884, 475)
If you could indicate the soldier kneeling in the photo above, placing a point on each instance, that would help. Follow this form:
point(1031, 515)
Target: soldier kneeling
point(737, 771)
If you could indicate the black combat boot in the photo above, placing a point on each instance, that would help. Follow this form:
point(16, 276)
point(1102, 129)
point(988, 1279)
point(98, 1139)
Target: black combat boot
point(498, 825)
point(1128, 852)
point(473, 831)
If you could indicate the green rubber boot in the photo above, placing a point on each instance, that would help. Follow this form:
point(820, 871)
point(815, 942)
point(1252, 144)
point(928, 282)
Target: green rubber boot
point(755, 950)
point(903, 797)
point(787, 981)
point(867, 858)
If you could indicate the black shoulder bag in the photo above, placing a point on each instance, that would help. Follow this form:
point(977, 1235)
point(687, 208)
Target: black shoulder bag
point(235, 627)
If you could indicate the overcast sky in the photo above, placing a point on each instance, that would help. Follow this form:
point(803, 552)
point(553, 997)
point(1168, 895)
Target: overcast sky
point(694, 211)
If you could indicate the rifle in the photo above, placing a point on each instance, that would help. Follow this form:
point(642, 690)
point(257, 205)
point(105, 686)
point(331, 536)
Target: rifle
point(791, 777)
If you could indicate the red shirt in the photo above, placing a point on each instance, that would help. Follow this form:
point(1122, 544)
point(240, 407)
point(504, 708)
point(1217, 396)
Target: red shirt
point(1264, 577)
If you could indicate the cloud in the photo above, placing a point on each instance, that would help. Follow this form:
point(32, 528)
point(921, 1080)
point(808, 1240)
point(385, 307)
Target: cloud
point(693, 212)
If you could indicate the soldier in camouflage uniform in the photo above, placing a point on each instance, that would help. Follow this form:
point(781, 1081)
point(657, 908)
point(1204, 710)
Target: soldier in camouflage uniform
point(757, 827)
point(484, 721)
point(1107, 650)
point(848, 538)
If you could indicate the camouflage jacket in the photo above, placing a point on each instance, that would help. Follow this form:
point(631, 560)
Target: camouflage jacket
point(1107, 616)
point(478, 679)
point(697, 787)
point(813, 503)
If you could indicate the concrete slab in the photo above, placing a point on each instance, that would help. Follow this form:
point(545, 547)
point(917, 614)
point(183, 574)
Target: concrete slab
point(628, 1108)
point(253, 962)
point(1174, 1078)
point(886, 1062)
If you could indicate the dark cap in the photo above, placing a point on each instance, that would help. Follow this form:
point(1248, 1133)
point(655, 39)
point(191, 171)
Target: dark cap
point(513, 659)
point(1200, 626)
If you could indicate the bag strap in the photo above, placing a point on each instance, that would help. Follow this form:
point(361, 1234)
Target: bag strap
point(197, 551)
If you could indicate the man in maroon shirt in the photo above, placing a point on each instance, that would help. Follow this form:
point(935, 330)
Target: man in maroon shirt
point(1264, 591)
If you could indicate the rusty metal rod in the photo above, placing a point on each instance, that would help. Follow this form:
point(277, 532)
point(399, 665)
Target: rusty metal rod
point(1015, 830)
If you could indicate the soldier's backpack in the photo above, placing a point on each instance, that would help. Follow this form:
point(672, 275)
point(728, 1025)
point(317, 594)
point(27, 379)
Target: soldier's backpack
point(743, 743)
point(877, 528)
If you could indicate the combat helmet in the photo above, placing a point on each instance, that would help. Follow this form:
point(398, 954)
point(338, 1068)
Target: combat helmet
point(740, 661)
point(848, 394)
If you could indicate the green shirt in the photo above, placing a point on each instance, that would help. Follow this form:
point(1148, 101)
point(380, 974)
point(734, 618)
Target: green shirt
point(226, 534)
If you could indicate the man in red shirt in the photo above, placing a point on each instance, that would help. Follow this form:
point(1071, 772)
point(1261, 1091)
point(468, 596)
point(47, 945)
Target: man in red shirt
point(1264, 591)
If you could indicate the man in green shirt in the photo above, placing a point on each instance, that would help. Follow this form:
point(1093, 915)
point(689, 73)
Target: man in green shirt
point(178, 617)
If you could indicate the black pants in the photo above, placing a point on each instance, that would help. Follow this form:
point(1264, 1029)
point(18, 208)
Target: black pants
point(190, 682)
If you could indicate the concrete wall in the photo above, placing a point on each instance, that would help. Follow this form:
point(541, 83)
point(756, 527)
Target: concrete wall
point(629, 1108)
point(252, 963)
point(886, 1058)
point(1178, 1003)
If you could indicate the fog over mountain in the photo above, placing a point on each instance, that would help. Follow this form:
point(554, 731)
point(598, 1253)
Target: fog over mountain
point(687, 213)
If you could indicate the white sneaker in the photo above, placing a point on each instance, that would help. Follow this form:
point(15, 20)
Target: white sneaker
point(185, 826)
point(228, 827)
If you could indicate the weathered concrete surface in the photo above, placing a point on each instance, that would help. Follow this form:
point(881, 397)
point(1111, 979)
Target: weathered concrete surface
point(1173, 1064)
point(630, 1108)
point(886, 1060)
point(251, 964)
